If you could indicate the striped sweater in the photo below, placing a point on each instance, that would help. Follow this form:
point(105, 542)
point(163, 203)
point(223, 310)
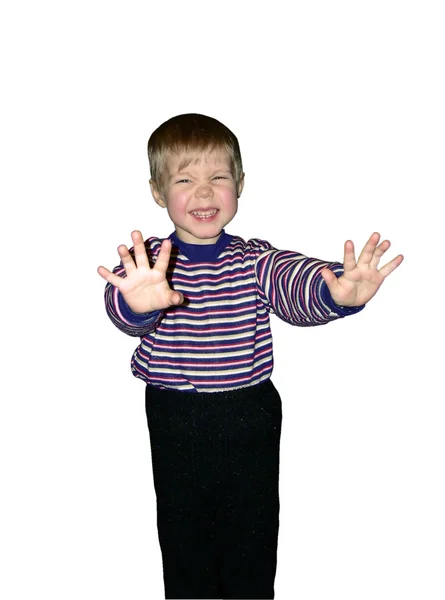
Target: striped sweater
point(220, 338)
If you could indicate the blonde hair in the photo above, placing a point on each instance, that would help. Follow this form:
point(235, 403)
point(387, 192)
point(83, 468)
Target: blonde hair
point(189, 135)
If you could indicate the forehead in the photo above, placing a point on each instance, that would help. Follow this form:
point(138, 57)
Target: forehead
point(211, 159)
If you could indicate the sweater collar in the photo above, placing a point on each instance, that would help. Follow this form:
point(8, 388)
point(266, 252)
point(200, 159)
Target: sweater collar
point(202, 252)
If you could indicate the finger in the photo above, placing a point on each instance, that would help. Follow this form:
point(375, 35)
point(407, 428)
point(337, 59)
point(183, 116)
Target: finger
point(163, 259)
point(330, 279)
point(176, 298)
point(349, 262)
point(126, 259)
point(109, 276)
point(140, 252)
point(391, 266)
point(378, 253)
point(368, 250)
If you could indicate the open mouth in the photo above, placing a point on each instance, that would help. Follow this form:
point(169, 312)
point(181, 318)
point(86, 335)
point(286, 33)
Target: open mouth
point(204, 215)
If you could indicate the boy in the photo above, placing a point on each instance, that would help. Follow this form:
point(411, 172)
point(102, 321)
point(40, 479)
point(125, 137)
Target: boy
point(200, 302)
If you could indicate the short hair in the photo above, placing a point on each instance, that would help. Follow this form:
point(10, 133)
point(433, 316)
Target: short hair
point(190, 134)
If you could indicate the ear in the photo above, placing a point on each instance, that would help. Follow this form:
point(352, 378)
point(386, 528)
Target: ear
point(240, 185)
point(157, 194)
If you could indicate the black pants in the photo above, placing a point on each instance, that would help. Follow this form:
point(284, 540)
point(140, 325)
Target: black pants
point(215, 469)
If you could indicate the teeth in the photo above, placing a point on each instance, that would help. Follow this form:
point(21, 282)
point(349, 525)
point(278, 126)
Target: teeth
point(204, 214)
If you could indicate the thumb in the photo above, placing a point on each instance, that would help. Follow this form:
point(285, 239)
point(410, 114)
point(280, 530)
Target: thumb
point(176, 298)
point(329, 278)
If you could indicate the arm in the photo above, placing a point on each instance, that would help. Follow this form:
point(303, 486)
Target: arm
point(137, 294)
point(307, 291)
point(292, 286)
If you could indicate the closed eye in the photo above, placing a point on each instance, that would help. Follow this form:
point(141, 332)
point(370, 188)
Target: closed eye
point(183, 180)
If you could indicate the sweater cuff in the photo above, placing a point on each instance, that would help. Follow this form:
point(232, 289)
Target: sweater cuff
point(343, 311)
point(139, 319)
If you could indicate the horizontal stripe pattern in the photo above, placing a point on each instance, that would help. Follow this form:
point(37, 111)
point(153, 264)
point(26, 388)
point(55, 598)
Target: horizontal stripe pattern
point(220, 339)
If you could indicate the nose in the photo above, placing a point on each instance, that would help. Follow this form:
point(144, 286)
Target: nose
point(204, 191)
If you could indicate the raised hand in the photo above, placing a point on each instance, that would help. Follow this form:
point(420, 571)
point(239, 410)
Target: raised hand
point(360, 280)
point(144, 289)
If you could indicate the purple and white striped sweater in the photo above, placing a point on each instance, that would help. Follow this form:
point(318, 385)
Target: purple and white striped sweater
point(220, 338)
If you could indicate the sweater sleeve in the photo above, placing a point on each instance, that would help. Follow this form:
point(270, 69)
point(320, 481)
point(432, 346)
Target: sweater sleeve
point(131, 323)
point(291, 285)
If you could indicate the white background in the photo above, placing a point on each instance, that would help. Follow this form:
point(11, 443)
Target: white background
point(339, 110)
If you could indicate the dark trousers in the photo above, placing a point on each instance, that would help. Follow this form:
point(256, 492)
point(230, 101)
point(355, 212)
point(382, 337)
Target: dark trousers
point(215, 469)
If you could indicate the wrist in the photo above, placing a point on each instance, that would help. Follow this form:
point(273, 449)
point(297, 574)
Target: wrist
point(133, 316)
point(341, 309)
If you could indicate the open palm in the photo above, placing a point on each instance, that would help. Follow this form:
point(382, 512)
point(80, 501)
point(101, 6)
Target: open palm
point(144, 288)
point(361, 279)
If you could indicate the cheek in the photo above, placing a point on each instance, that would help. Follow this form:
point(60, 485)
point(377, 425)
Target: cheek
point(177, 204)
point(230, 200)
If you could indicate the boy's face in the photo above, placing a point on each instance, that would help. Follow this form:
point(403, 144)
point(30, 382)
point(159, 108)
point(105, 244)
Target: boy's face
point(201, 197)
